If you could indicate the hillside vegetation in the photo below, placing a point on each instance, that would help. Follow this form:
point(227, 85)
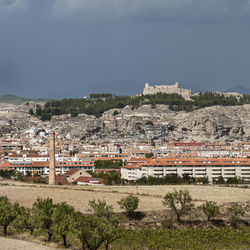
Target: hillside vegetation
point(17, 100)
point(97, 104)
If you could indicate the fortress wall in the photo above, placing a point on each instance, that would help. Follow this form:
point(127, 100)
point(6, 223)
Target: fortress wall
point(168, 89)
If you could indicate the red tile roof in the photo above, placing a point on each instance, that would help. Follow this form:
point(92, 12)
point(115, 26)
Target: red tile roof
point(97, 171)
point(71, 172)
point(46, 164)
point(132, 166)
point(5, 166)
point(75, 163)
point(88, 180)
point(192, 162)
point(32, 164)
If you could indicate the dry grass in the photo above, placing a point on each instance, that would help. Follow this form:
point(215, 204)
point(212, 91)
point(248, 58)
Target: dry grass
point(150, 196)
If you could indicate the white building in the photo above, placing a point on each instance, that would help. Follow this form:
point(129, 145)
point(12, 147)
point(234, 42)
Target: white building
point(219, 153)
point(42, 168)
point(197, 168)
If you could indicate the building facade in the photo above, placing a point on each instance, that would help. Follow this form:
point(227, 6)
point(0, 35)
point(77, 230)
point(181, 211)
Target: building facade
point(42, 168)
point(211, 169)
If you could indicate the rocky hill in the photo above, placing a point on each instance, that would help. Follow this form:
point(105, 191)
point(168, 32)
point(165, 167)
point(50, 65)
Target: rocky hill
point(217, 123)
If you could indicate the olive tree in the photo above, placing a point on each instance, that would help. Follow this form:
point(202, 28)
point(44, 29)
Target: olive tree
point(180, 202)
point(44, 209)
point(130, 204)
point(99, 228)
point(63, 220)
point(210, 209)
point(8, 212)
point(27, 219)
point(112, 230)
point(89, 230)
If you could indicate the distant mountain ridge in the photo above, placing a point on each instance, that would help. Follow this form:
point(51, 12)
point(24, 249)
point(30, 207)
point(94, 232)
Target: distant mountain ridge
point(17, 100)
point(239, 89)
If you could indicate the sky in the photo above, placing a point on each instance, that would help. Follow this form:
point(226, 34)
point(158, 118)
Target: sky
point(72, 48)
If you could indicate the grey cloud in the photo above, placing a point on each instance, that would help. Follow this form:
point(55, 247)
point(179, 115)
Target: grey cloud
point(9, 5)
point(84, 46)
point(148, 9)
point(26, 7)
point(137, 9)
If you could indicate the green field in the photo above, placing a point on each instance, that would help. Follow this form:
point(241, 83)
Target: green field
point(189, 238)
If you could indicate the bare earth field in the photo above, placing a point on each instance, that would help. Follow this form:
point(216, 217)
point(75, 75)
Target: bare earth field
point(150, 196)
point(14, 244)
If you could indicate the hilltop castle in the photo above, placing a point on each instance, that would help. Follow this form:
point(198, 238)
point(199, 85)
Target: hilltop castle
point(168, 89)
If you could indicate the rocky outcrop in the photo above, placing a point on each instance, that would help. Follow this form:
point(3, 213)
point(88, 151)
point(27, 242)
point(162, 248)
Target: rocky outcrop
point(210, 124)
point(215, 123)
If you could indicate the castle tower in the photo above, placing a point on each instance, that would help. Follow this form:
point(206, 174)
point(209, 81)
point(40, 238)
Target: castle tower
point(52, 172)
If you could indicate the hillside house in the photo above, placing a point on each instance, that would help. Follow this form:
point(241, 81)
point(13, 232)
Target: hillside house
point(74, 173)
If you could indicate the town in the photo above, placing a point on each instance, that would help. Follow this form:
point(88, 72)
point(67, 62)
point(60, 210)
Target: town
point(203, 162)
point(129, 145)
point(124, 125)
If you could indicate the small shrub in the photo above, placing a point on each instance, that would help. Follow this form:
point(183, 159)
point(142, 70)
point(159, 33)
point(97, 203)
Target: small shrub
point(167, 224)
point(149, 155)
point(100, 209)
point(31, 112)
point(235, 222)
point(220, 180)
point(74, 113)
point(150, 123)
point(238, 210)
point(130, 204)
point(210, 209)
point(202, 180)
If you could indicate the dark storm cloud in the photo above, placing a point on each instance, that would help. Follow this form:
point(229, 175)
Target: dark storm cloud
point(158, 9)
point(74, 47)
